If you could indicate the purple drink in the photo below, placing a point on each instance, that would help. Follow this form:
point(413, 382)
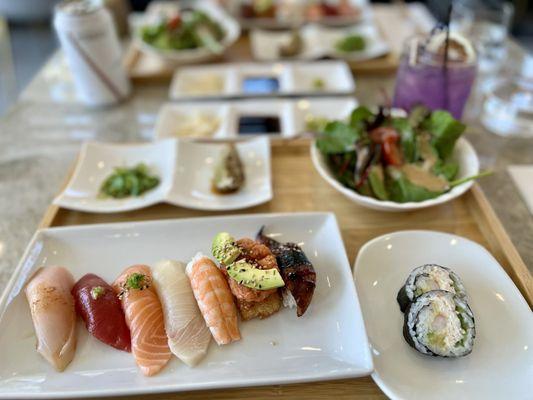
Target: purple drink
point(424, 77)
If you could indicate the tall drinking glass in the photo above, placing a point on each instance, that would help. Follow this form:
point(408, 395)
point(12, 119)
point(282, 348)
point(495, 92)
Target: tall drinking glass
point(486, 23)
point(426, 76)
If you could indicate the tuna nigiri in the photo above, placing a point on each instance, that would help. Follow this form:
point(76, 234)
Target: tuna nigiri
point(188, 335)
point(99, 306)
point(214, 298)
point(53, 315)
point(144, 317)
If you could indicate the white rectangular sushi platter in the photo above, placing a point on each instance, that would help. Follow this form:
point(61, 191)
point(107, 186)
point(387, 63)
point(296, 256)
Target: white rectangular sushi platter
point(292, 114)
point(319, 41)
point(328, 342)
point(291, 79)
point(185, 170)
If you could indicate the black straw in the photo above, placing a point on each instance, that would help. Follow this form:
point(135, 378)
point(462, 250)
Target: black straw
point(446, 47)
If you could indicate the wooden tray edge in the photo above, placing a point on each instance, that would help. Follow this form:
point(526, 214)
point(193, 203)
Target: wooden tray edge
point(487, 218)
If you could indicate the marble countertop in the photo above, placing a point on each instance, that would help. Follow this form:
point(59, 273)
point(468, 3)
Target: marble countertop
point(41, 136)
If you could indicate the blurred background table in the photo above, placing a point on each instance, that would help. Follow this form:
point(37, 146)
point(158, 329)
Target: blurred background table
point(41, 134)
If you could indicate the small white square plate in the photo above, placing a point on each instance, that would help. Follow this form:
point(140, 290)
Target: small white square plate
point(176, 163)
point(194, 171)
point(328, 342)
point(501, 363)
point(175, 120)
point(97, 161)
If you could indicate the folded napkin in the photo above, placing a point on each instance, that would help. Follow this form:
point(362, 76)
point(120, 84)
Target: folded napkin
point(523, 178)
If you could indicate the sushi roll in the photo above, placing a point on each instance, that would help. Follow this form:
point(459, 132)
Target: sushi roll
point(440, 323)
point(429, 277)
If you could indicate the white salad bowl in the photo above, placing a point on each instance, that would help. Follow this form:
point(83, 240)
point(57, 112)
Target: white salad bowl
point(188, 56)
point(463, 153)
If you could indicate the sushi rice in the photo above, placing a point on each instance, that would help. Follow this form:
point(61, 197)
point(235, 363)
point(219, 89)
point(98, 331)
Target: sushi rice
point(440, 323)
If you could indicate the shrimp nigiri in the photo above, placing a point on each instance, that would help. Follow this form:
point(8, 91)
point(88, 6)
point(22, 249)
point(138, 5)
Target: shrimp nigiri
point(214, 298)
point(144, 317)
point(53, 315)
point(188, 335)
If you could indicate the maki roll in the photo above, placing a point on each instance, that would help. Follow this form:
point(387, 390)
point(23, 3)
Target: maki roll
point(429, 277)
point(440, 323)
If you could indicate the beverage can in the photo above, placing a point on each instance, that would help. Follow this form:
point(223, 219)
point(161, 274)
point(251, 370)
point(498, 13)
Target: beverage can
point(92, 50)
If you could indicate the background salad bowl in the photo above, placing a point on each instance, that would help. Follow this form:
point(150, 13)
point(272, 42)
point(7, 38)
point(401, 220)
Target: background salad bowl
point(463, 156)
point(174, 57)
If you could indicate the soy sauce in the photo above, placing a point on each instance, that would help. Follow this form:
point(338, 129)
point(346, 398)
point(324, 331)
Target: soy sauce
point(260, 84)
point(255, 124)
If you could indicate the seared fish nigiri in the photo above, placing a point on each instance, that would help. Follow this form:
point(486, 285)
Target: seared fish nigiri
point(296, 270)
point(99, 306)
point(214, 298)
point(144, 317)
point(188, 335)
point(53, 315)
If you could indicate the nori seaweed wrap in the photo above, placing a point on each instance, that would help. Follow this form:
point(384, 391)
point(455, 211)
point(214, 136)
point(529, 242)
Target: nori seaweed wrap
point(440, 323)
point(429, 277)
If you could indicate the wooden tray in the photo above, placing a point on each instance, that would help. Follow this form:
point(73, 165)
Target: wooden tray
point(143, 67)
point(298, 187)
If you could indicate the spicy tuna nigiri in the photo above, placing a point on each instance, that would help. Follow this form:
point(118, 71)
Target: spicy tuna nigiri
point(144, 317)
point(99, 306)
point(214, 299)
point(188, 335)
point(53, 315)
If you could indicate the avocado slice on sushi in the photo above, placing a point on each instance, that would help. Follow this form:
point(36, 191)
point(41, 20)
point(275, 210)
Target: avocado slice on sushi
point(426, 278)
point(440, 323)
point(260, 279)
point(224, 248)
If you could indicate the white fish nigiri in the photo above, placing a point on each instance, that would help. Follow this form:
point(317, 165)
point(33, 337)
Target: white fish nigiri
point(188, 335)
point(53, 315)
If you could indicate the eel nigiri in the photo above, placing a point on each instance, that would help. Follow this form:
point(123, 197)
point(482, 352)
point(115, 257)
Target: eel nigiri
point(188, 335)
point(98, 305)
point(53, 315)
point(214, 298)
point(296, 270)
point(144, 317)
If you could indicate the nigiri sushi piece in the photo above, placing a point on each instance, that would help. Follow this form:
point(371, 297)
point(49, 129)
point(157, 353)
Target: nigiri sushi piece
point(99, 307)
point(296, 270)
point(144, 317)
point(53, 315)
point(214, 299)
point(252, 273)
point(188, 335)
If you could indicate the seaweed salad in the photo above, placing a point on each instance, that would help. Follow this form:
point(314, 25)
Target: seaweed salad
point(401, 159)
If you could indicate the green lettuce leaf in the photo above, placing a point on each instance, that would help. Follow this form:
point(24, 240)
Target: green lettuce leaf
point(445, 130)
point(338, 137)
point(402, 190)
point(360, 116)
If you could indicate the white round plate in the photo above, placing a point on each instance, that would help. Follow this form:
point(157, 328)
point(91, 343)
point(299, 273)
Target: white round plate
point(501, 363)
point(178, 57)
point(463, 153)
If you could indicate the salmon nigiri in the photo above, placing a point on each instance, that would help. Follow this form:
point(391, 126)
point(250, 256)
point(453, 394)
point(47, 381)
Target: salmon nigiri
point(188, 335)
point(98, 305)
point(144, 317)
point(53, 315)
point(214, 298)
